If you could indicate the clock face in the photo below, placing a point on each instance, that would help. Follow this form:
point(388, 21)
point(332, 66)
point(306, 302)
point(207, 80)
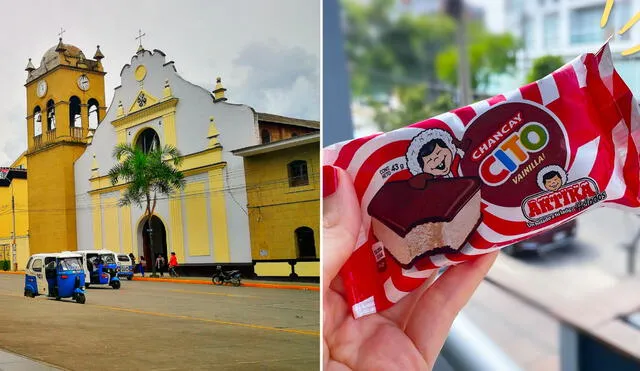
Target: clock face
point(83, 82)
point(42, 88)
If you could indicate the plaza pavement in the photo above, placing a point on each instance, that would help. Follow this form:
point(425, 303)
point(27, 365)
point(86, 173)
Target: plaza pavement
point(162, 326)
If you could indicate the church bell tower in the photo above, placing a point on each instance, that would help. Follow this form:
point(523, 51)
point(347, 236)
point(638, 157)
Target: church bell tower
point(65, 103)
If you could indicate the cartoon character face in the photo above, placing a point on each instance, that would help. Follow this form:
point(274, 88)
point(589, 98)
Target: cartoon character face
point(438, 162)
point(553, 184)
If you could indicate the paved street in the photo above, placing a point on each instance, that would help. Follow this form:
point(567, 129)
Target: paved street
point(596, 261)
point(164, 326)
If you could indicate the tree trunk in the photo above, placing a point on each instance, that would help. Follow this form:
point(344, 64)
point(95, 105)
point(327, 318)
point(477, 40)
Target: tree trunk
point(151, 211)
point(153, 253)
point(150, 230)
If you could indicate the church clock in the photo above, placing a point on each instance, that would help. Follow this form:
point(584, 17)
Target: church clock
point(83, 82)
point(42, 88)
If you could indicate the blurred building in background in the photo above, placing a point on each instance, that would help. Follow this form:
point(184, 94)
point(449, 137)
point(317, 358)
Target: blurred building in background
point(568, 28)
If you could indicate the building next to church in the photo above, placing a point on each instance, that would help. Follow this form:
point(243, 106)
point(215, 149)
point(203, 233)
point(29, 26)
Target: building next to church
point(14, 213)
point(71, 136)
point(282, 177)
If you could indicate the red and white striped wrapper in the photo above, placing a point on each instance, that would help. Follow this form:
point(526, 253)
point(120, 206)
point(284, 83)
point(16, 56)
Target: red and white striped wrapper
point(599, 123)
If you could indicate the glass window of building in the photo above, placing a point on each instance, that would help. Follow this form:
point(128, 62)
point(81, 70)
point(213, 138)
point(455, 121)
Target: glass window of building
point(585, 25)
point(551, 30)
point(528, 33)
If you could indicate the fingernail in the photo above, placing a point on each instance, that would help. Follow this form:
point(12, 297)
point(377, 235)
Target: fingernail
point(329, 180)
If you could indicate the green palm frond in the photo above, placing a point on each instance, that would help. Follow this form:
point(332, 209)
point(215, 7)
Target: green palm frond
point(123, 150)
point(146, 174)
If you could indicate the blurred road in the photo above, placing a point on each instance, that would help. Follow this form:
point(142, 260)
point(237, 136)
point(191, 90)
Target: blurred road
point(595, 261)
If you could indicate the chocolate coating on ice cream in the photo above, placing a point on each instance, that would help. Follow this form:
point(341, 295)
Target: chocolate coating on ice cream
point(403, 205)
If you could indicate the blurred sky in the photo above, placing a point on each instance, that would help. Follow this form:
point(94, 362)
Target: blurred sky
point(267, 52)
point(493, 12)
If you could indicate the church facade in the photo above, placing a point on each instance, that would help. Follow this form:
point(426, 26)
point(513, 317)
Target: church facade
point(154, 104)
point(71, 137)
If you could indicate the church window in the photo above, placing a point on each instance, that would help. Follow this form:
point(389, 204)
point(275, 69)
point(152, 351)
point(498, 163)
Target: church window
point(265, 135)
point(148, 140)
point(93, 113)
point(37, 121)
point(298, 175)
point(75, 119)
point(51, 115)
point(305, 242)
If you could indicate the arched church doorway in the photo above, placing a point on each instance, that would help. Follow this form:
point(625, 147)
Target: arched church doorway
point(159, 235)
point(305, 242)
point(148, 140)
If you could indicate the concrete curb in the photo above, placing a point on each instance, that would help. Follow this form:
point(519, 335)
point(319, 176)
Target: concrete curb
point(11, 272)
point(208, 282)
point(246, 284)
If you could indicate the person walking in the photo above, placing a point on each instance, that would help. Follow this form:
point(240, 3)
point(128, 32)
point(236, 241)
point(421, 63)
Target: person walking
point(173, 263)
point(160, 263)
point(133, 263)
point(142, 263)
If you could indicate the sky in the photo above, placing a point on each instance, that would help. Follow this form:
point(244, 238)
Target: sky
point(493, 13)
point(267, 52)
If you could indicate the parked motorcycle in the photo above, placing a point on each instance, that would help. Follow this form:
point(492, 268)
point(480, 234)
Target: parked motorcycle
point(221, 277)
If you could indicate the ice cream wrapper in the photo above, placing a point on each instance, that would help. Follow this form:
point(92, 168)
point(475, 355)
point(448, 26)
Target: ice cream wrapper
point(485, 176)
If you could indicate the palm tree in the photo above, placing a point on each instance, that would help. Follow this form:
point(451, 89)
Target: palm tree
point(148, 175)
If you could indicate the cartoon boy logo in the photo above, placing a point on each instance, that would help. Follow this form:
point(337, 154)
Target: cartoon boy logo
point(551, 178)
point(434, 152)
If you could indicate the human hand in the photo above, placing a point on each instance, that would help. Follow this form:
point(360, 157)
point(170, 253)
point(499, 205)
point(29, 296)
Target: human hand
point(407, 336)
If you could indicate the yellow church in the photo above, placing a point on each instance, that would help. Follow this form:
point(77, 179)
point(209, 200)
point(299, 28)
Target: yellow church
point(61, 197)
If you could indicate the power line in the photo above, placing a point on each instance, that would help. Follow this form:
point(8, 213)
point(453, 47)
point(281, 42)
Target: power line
point(278, 183)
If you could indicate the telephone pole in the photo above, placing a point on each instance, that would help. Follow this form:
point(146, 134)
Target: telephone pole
point(13, 242)
point(456, 9)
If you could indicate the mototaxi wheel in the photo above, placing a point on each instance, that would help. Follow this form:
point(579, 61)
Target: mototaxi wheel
point(115, 285)
point(235, 282)
point(80, 299)
point(216, 280)
point(129, 278)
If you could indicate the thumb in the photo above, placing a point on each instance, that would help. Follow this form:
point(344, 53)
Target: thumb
point(340, 221)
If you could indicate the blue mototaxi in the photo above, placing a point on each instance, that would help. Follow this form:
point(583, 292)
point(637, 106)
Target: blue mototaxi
point(125, 266)
point(56, 275)
point(100, 268)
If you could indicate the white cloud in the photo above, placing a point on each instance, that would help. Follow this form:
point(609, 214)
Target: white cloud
point(299, 99)
point(280, 80)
